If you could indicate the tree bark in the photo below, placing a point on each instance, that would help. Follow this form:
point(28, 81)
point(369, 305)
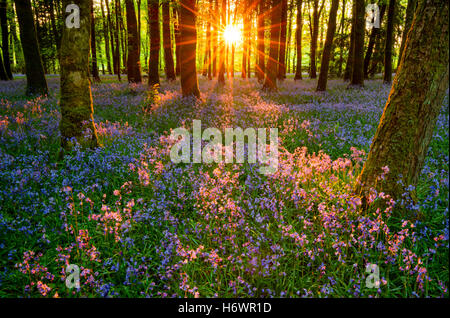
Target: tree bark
point(298, 37)
point(176, 31)
point(282, 54)
point(117, 55)
point(188, 53)
point(36, 82)
point(373, 37)
point(155, 42)
point(106, 35)
point(331, 29)
point(222, 44)
point(5, 39)
point(95, 74)
point(270, 82)
point(410, 8)
point(358, 50)
point(167, 42)
point(133, 62)
point(349, 65)
point(261, 54)
point(387, 78)
point(406, 127)
point(77, 112)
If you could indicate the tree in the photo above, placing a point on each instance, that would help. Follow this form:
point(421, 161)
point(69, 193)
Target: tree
point(323, 76)
point(358, 48)
point(406, 126)
point(167, 41)
point(3, 75)
point(95, 74)
point(155, 42)
point(176, 32)
point(373, 37)
point(314, 36)
point(5, 39)
point(36, 83)
point(117, 48)
point(349, 65)
point(189, 81)
point(410, 8)
point(282, 53)
point(223, 21)
point(270, 82)
point(133, 62)
point(77, 112)
point(387, 78)
point(298, 38)
point(261, 55)
point(106, 36)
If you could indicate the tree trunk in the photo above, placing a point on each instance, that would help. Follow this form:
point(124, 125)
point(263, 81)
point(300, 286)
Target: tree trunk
point(349, 65)
point(314, 36)
point(389, 39)
point(410, 8)
point(188, 53)
point(373, 36)
point(246, 22)
point(5, 39)
point(117, 55)
point(298, 38)
point(282, 54)
point(3, 75)
point(406, 126)
point(222, 44)
point(357, 79)
point(106, 35)
point(155, 45)
point(167, 42)
point(95, 74)
point(133, 62)
point(261, 54)
point(76, 99)
point(270, 82)
point(176, 31)
point(36, 83)
point(331, 29)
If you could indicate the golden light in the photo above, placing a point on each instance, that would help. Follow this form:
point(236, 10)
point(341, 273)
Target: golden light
point(232, 34)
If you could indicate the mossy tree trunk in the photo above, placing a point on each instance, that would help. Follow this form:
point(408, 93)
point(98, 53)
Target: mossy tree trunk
point(77, 112)
point(133, 61)
point(155, 43)
point(167, 41)
point(410, 8)
point(406, 126)
point(387, 77)
point(188, 53)
point(331, 29)
point(36, 82)
point(270, 82)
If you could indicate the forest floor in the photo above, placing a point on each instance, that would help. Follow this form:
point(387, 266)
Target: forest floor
point(137, 224)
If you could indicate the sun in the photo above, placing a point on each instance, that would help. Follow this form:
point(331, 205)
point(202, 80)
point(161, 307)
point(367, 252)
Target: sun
point(232, 34)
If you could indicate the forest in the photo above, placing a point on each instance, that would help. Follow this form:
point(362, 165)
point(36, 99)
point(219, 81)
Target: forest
point(224, 148)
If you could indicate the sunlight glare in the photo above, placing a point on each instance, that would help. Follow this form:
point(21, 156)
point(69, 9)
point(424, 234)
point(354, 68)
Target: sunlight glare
point(232, 34)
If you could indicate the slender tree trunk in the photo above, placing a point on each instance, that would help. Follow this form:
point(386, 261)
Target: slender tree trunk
point(155, 46)
point(245, 18)
point(314, 37)
point(261, 54)
point(298, 39)
point(5, 39)
point(389, 39)
point(282, 54)
point(95, 74)
point(176, 28)
point(167, 42)
point(222, 44)
point(117, 55)
point(189, 81)
point(36, 82)
point(112, 37)
point(358, 51)
point(348, 67)
point(410, 8)
point(215, 38)
point(331, 29)
point(133, 62)
point(106, 35)
point(406, 127)
point(209, 42)
point(76, 99)
point(270, 82)
point(373, 36)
